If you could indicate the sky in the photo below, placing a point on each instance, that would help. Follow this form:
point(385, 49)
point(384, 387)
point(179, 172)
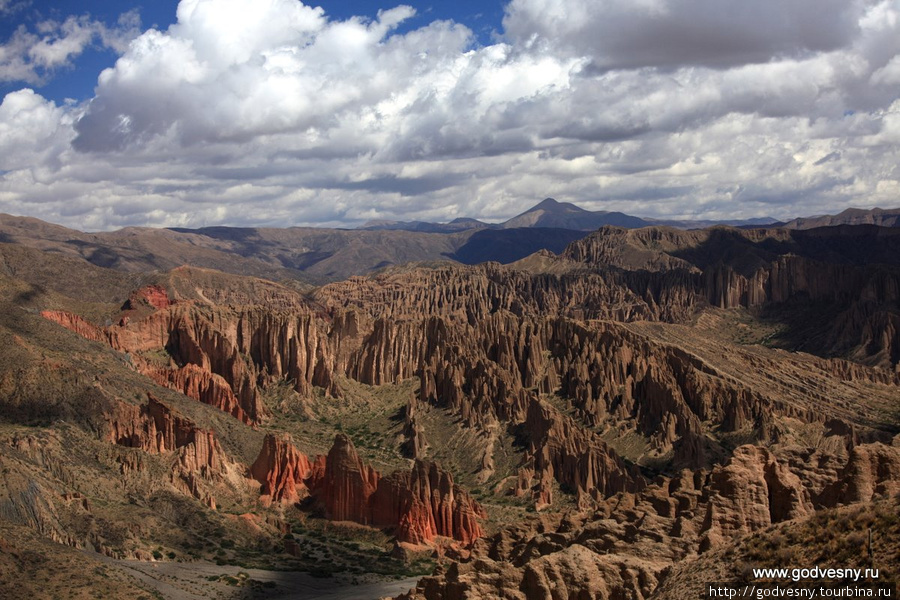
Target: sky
point(276, 113)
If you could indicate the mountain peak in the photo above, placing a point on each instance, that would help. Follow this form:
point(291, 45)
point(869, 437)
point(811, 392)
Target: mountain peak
point(545, 204)
point(565, 215)
point(550, 205)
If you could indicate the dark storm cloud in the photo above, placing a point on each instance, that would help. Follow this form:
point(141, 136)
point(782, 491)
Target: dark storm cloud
point(392, 184)
point(626, 34)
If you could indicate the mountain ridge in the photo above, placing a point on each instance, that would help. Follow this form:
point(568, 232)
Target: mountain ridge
point(552, 213)
point(563, 215)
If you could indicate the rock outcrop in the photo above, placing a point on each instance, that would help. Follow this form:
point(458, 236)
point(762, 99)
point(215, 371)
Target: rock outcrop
point(204, 365)
point(628, 545)
point(282, 470)
point(153, 296)
point(77, 324)
point(751, 492)
point(575, 458)
point(872, 470)
point(419, 505)
point(200, 384)
point(155, 429)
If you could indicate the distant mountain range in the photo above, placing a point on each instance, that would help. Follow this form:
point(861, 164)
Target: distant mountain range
point(565, 215)
point(318, 255)
point(852, 216)
point(559, 215)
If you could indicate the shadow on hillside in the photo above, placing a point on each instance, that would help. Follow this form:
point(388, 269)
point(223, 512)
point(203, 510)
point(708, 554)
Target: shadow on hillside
point(509, 245)
point(836, 303)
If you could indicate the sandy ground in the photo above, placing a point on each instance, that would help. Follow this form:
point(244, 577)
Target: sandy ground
point(200, 580)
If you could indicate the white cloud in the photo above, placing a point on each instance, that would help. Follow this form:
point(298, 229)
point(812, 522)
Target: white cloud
point(33, 131)
point(31, 57)
point(10, 6)
point(270, 113)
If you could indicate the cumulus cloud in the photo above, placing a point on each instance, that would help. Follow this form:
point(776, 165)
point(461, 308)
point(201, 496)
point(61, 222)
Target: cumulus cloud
point(33, 131)
point(269, 112)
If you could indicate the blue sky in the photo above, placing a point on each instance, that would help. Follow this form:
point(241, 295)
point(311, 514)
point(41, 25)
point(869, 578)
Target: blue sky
point(270, 112)
point(78, 79)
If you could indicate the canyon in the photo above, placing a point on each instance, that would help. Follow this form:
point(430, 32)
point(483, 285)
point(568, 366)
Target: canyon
point(596, 422)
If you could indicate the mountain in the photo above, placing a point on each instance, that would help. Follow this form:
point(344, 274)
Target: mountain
point(563, 215)
point(852, 216)
point(637, 414)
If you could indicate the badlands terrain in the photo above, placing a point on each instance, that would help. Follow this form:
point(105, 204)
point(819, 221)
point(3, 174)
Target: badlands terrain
point(520, 411)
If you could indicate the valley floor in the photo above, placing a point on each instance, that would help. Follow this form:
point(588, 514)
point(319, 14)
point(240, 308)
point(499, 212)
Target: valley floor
point(203, 580)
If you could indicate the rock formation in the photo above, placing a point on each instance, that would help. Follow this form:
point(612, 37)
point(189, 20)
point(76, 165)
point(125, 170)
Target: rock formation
point(575, 458)
point(202, 385)
point(627, 547)
point(417, 505)
point(155, 429)
point(77, 324)
point(872, 470)
point(282, 470)
point(751, 492)
point(424, 503)
point(347, 484)
point(154, 296)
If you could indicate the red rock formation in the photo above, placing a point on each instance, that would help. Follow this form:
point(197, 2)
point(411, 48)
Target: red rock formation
point(147, 333)
point(214, 371)
point(202, 454)
point(151, 427)
point(418, 505)
point(77, 324)
point(347, 484)
point(282, 470)
point(873, 470)
point(201, 385)
point(154, 296)
point(574, 457)
point(415, 445)
point(751, 492)
point(475, 338)
point(425, 503)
